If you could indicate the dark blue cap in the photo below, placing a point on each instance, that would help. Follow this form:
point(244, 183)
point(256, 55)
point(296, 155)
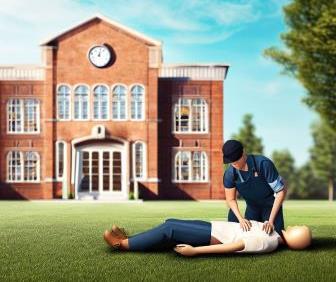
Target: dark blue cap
point(232, 151)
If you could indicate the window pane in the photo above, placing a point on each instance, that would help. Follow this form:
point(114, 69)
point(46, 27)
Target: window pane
point(100, 100)
point(63, 102)
point(119, 95)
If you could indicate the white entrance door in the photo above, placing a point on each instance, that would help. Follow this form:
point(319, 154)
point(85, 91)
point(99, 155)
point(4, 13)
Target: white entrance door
point(101, 171)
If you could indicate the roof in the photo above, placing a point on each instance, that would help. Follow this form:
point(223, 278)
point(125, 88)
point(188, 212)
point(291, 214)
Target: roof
point(115, 24)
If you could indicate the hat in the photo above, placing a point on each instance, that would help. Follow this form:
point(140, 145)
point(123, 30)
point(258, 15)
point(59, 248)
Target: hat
point(232, 151)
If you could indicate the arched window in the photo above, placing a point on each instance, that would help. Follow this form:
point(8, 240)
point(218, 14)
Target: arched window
point(81, 102)
point(60, 159)
point(199, 115)
point(137, 102)
point(190, 115)
point(190, 166)
point(63, 102)
point(200, 166)
point(100, 102)
point(119, 102)
point(23, 166)
point(23, 116)
point(139, 160)
point(14, 166)
point(31, 167)
point(182, 166)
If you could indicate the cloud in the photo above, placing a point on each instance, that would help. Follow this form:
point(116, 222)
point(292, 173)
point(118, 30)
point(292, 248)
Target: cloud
point(24, 24)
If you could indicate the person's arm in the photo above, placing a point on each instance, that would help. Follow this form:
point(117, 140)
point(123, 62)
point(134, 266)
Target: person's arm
point(279, 187)
point(187, 250)
point(279, 199)
point(231, 200)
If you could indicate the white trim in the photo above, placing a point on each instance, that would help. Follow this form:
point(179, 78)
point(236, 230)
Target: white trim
point(70, 102)
point(177, 153)
point(126, 102)
point(108, 101)
point(111, 22)
point(100, 149)
point(57, 143)
point(75, 161)
point(194, 71)
point(89, 99)
point(22, 101)
point(143, 102)
point(22, 167)
point(190, 119)
point(144, 162)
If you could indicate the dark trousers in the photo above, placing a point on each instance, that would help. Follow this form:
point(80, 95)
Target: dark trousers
point(260, 214)
point(170, 233)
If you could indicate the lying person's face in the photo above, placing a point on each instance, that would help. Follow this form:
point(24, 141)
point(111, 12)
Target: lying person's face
point(297, 237)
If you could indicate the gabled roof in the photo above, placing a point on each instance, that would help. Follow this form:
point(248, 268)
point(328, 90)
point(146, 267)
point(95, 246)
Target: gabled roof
point(115, 24)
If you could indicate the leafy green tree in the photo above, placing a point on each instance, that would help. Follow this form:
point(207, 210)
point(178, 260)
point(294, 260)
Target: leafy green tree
point(246, 135)
point(307, 184)
point(284, 163)
point(310, 52)
point(323, 154)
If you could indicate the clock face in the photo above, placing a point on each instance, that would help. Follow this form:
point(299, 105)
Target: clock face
point(99, 56)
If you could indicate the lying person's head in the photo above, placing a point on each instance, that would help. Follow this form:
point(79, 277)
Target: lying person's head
point(297, 237)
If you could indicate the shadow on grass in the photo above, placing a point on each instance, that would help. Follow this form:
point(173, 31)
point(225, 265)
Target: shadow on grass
point(323, 244)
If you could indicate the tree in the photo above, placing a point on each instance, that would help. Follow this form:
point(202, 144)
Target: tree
point(310, 54)
point(284, 162)
point(246, 135)
point(323, 154)
point(307, 184)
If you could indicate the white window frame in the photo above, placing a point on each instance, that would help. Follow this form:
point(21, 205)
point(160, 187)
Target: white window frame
point(57, 101)
point(81, 103)
point(143, 102)
point(118, 103)
point(177, 104)
point(22, 109)
point(37, 155)
point(144, 158)
point(204, 169)
point(99, 109)
point(57, 159)
point(22, 155)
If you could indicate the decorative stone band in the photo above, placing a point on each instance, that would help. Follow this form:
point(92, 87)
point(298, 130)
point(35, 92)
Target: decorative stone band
point(22, 72)
point(195, 71)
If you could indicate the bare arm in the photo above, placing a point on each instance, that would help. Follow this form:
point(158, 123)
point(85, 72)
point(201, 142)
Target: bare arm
point(231, 200)
point(188, 250)
point(279, 199)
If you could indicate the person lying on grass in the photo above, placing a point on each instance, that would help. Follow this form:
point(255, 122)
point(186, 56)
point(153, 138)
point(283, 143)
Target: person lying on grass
point(195, 237)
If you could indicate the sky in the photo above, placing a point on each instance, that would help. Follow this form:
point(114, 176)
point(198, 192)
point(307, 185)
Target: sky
point(192, 31)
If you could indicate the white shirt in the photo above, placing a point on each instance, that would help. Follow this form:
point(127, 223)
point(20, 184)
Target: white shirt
point(255, 240)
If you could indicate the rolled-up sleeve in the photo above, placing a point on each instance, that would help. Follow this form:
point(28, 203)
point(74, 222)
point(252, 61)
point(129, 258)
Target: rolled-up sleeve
point(272, 176)
point(277, 185)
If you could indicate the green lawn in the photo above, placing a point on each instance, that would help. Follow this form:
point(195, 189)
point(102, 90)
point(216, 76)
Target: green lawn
point(63, 241)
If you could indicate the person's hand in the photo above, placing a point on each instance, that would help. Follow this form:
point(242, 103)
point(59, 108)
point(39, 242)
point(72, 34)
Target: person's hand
point(185, 250)
point(245, 224)
point(268, 227)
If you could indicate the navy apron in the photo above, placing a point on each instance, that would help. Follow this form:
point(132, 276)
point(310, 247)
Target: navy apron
point(259, 198)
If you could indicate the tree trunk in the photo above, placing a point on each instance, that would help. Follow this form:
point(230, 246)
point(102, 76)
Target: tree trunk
point(331, 189)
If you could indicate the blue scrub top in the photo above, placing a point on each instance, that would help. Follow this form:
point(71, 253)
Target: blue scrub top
point(265, 167)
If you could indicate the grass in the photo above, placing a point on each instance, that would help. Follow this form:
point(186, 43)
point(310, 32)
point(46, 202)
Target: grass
point(63, 241)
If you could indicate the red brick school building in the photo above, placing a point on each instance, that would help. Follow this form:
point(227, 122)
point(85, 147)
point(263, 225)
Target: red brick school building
point(103, 117)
